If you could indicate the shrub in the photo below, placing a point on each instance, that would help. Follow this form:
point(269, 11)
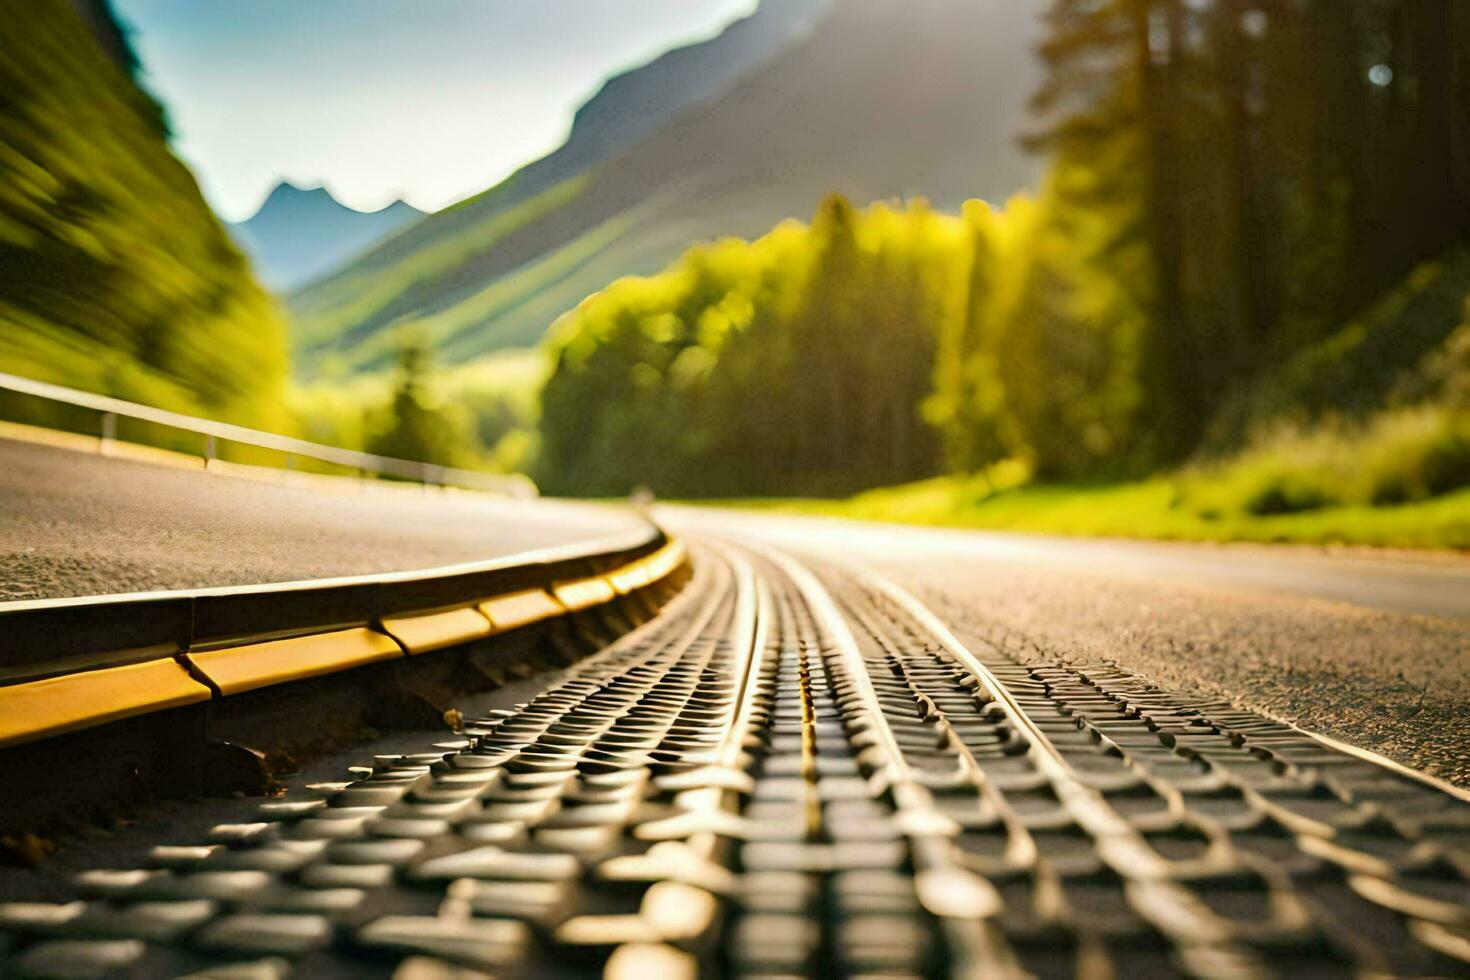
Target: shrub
point(1394, 457)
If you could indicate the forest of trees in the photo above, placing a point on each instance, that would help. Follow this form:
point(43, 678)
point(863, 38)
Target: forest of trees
point(1230, 180)
point(1253, 209)
point(793, 363)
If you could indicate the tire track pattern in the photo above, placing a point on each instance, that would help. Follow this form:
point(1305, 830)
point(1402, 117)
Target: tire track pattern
point(794, 770)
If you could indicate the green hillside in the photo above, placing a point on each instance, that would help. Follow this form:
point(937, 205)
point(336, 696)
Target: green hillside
point(830, 111)
point(115, 276)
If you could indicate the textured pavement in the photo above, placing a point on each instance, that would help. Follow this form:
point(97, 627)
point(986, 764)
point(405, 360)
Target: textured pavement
point(798, 769)
point(77, 524)
point(1371, 648)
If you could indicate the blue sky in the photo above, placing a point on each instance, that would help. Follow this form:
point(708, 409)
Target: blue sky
point(427, 100)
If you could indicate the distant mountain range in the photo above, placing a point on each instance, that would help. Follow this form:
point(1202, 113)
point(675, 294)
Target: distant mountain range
point(300, 233)
point(873, 98)
point(628, 106)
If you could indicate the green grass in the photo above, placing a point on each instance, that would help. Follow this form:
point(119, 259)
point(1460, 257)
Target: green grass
point(1398, 456)
point(1398, 478)
point(1148, 509)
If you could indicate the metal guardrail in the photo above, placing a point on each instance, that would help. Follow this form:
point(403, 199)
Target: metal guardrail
point(70, 664)
point(430, 474)
point(207, 691)
point(44, 637)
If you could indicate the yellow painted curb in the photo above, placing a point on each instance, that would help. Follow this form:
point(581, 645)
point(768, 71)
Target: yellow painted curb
point(434, 631)
point(50, 437)
point(648, 569)
point(81, 700)
point(237, 669)
point(507, 612)
point(583, 593)
point(94, 697)
point(150, 454)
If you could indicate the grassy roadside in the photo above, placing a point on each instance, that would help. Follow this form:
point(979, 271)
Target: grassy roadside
point(1399, 478)
point(1148, 509)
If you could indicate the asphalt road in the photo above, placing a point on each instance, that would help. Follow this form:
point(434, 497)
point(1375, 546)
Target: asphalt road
point(1370, 648)
point(832, 782)
point(78, 524)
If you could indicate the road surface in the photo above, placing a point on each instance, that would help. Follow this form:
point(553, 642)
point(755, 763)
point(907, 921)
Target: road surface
point(1370, 648)
point(72, 524)
point(799, 767)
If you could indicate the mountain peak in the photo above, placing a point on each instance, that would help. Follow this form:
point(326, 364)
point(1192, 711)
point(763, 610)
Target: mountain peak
point(288, 193)
point(300, 232)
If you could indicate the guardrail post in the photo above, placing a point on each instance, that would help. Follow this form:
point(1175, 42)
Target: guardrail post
point(209, 450)
point(109, 432)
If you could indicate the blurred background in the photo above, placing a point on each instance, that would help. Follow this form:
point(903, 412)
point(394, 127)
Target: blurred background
point(1184, 268)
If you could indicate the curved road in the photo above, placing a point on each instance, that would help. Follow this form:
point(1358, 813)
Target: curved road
point(796, 768)
point(78, 524)
point(1373, 648)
